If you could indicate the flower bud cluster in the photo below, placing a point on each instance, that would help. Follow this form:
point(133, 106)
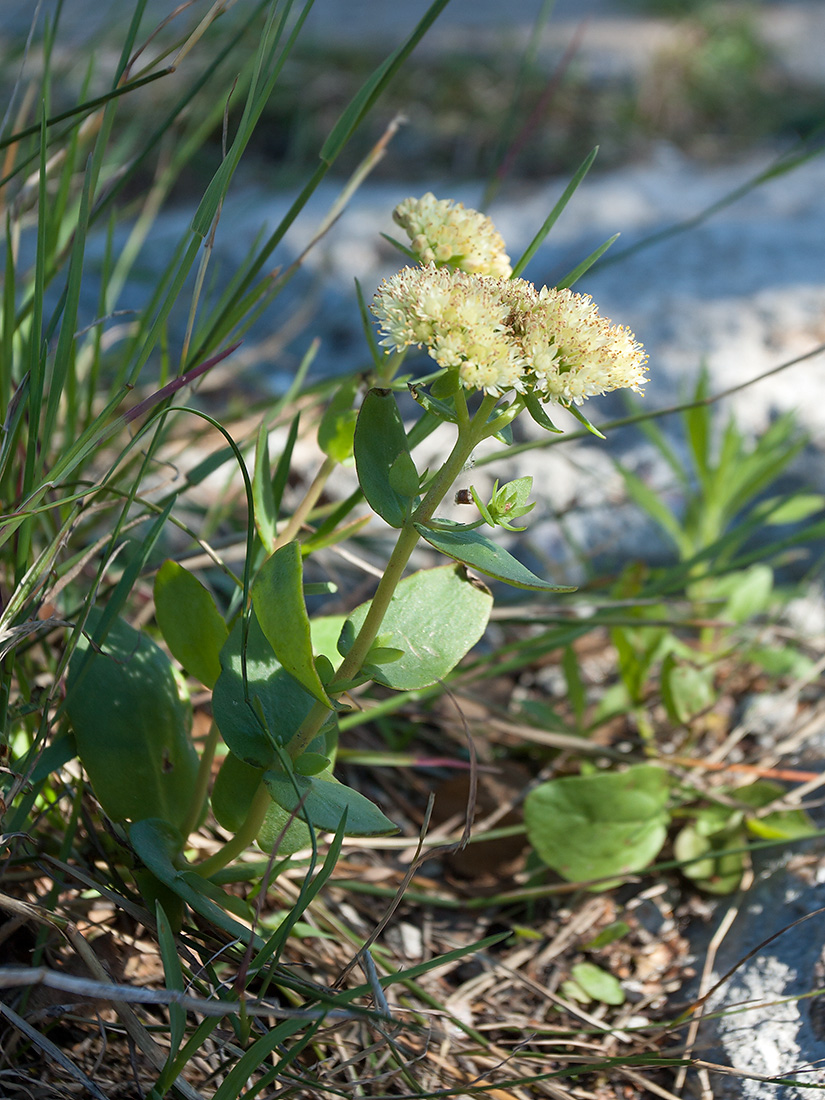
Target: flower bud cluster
point(503, 334)
point(444, 233)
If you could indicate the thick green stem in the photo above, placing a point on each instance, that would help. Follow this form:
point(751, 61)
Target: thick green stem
point(470, 435)
point(242, 840)
point(201, 782)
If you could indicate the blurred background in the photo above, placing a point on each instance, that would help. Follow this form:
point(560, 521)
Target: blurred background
point(709, 121)
point(521, 91)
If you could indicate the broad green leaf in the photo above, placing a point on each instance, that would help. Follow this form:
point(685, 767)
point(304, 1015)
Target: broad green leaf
point(274, 707)
point(379, 440)
point(780, 825)
point(780, 660)
point(132, 726)
point(189, 621)
point(446, 385)
point(480, 553)
point(337, 428)
point(403, 476)
point(572, 991)
point(289, 832)
point(686, 690)
point(278, 599)
point(435, 617)
point(608, 823)
point(157, 844)
point(598, 984)
point(707, 862)
point(325, 632)
point(233, 791)
point(312, 763)
point(747, 592)
point(323, 801)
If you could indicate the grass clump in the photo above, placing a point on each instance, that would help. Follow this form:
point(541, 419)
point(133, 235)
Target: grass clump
point(193, 863)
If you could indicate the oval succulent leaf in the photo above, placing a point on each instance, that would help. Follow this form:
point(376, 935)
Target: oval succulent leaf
point(484, 556)
point(379, 441)
point(189, 621)
point(323, 801)
point(132, 726)
point(591, 826)
point(271, 708)
point(434, 618)
point(278, 599)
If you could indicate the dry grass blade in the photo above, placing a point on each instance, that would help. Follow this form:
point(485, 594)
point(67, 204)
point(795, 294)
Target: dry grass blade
point(51, 1051)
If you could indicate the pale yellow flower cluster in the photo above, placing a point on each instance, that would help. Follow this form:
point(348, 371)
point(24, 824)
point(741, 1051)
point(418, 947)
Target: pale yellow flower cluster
point(443, 233)
point(503, 334)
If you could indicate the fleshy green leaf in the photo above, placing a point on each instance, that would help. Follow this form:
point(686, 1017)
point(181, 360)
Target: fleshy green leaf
point(325, 631)
point(435, 617)
point(323, 801)
point(590, 826)
point(311, 763)
point(748, 592)
point(686, 690)
point(189, 621)
point(598, 984)
point(274, 708)
point(132, 726)
point(290, 833)
point(780, 825)
point(337, 428)
point(536, 410)
point(444, 410)
point(404, 476)
point(705, 858)
point(480, 553)
point(158, 846)
point(278, 599)
point(233, 791)
point(379, 440)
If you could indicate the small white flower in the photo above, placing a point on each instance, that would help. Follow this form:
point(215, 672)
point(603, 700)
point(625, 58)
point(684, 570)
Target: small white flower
point(499, 333)
point(444, 233)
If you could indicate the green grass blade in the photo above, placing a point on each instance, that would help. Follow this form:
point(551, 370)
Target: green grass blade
point(555, 213)
point(259, 93)
point(173, 975)
point(573, 276)
point(785, 163)
point(64, 353)
point(252, 1059)
point(364, 99)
